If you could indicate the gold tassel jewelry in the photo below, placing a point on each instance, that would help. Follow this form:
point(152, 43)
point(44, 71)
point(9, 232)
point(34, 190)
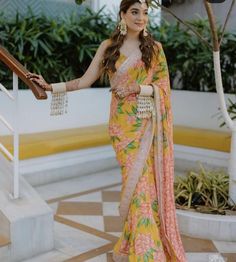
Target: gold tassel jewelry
point(145, 106)
point(59, 102)
point(123, 27)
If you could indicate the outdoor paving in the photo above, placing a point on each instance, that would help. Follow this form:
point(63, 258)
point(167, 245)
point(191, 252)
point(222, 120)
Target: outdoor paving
point(87, 222)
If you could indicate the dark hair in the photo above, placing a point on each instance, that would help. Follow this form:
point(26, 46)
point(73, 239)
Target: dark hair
point(112, 52)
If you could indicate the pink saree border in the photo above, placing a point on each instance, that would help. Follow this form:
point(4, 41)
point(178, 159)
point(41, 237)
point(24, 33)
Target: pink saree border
point(164, 174)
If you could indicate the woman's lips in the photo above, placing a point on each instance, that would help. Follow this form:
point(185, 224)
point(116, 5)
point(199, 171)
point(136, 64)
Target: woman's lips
point(140, 25)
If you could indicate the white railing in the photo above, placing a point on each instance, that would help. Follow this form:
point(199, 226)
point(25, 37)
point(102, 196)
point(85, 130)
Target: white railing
point(14, 131)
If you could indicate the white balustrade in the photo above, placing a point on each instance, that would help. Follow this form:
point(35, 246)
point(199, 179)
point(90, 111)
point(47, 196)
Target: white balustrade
point(14, 130)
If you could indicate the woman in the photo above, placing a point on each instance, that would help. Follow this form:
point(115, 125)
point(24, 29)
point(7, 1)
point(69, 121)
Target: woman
point(141, 132)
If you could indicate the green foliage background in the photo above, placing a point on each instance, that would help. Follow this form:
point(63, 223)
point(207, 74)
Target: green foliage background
point(190, 61)
point(58, 49)
point(62, 49)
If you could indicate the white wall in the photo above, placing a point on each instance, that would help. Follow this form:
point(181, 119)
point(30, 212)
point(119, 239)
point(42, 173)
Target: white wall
point(86, 107)
point(91, 107)
point(197, 109)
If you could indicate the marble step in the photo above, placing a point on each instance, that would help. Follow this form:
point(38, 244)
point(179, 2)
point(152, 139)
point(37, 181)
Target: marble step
point(4, 241)
point(68, 165)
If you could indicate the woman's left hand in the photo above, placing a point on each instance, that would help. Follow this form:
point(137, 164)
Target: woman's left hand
point(122, 92)
point(39, 80)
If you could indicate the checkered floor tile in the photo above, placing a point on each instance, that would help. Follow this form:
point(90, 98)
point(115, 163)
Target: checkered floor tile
point(96, 213)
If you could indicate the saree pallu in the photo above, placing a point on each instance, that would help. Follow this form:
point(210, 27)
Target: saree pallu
point(144, 150)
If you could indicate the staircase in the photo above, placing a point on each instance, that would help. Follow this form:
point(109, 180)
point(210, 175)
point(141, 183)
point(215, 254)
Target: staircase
point(26, 221)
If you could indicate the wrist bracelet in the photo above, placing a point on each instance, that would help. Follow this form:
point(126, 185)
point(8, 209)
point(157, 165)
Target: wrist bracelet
point(146, 90)
point(59, 87)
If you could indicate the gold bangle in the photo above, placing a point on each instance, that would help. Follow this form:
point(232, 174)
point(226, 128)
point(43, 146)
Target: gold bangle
point(59, 87)
point(146, 90)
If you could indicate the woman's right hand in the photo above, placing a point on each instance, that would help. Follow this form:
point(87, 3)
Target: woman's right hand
point(38, 79)
point(122, 91)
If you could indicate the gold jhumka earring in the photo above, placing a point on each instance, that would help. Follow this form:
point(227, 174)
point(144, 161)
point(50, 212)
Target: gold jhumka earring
point(123, 27)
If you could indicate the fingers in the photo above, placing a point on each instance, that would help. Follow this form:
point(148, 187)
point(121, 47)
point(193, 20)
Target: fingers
point(32, 75)
point(122, 92)
point(39, 82)
point(119, 92)
point(38, 79)
point(35, 80)
point(116, 91)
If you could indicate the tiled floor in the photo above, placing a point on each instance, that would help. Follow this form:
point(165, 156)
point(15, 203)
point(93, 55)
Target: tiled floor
point(87, 223)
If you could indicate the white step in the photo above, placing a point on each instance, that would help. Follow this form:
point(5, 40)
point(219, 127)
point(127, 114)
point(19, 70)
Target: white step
point(63, 166)
point(22, 217)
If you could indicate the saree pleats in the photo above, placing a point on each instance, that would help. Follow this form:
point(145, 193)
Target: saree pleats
point(140, 239)
point(144, 150)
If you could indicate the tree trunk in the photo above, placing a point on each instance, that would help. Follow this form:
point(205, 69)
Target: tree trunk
point(220, 91)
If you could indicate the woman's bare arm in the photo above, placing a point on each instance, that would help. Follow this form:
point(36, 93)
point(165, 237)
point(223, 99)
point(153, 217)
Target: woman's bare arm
point(90, 76)
point(92, 73)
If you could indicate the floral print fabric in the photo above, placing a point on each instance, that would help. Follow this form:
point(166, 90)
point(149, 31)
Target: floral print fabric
point(141, 239)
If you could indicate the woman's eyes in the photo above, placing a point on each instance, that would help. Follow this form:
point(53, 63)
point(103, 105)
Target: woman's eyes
point(136, 12)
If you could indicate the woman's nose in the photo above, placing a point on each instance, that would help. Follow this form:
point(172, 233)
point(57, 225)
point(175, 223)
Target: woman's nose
point(140, 17)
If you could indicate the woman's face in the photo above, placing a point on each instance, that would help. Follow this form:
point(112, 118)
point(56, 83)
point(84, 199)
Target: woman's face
point(136, 17)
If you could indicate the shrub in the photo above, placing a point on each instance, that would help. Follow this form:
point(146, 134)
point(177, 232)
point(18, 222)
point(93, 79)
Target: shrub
point(191, 62)
point(204, 191)
point(58, 49)
point(62, 49)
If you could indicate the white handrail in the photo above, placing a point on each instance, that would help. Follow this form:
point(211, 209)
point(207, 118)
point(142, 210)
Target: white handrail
point(6, 92)
point(16, 139)
point(3, 148)
point(4, 121)
point(14, 130)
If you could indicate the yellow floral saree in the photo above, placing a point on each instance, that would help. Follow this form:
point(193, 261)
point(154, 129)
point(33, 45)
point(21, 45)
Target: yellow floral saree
point(144, 150)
